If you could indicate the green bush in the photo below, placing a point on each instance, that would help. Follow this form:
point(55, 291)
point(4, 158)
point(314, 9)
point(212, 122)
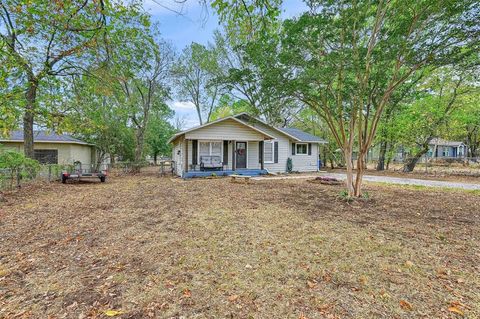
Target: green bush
point(16, 166)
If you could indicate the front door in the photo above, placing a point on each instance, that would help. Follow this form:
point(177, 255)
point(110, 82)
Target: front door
point(241, 161)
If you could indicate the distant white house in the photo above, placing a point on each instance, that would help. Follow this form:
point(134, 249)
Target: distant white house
point(439, 148)
point(242, 144)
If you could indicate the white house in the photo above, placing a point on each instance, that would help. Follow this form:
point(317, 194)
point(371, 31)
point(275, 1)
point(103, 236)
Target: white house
point(242, 144)
point(439, 148)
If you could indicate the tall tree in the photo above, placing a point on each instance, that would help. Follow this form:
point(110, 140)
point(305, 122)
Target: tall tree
point(194, 74)
point(158, 133)
point(246, 73)
point(345, 60)
point(48, 39)
point(145, 90)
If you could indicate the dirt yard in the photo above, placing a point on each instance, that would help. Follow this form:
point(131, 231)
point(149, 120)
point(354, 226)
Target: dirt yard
point(144, 246)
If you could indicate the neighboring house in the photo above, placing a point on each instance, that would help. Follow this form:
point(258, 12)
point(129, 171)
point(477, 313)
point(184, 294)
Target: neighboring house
point(51, 148)
point(439, 148)
point(242, 144)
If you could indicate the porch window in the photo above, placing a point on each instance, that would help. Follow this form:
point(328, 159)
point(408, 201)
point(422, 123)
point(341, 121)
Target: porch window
point(268, 151)
point(210, 148)
point(301, 149)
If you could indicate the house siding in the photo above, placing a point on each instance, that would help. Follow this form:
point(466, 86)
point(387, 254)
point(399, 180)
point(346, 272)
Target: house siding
point(225, 130)
point(177, 156)
point(253, 156)
point(306, 163)
point(67, 153)
point(300, 163)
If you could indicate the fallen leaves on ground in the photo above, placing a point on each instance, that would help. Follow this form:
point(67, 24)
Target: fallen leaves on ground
point(455, 307)
point(165, 248)
point(406, 305)
point(113, 313)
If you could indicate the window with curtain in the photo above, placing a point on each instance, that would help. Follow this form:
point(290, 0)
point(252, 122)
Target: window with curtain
point(301, 149)
point(204, 148)
point(216, 148)
point(268, 150)
point(210, 148)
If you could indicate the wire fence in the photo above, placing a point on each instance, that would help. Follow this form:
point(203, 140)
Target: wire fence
point(11, 179)
point(14, 178)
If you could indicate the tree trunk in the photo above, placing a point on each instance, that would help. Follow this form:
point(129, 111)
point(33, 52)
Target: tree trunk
point(155, 155)
point(349, 165)
point(28, 117)
point(411, 162)
point(139, 148)
point(360, 171)
point(381, 156)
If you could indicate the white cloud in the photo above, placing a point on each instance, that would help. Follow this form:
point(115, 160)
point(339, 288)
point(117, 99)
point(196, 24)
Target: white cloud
point(182, 105)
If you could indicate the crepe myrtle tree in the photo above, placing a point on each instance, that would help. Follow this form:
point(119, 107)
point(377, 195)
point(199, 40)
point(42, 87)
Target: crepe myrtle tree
point(345, 60)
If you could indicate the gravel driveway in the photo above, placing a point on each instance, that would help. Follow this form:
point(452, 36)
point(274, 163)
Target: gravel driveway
point(410, 181)
point(387, 179)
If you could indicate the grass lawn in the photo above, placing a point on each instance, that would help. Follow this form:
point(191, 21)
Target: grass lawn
point(165, 248)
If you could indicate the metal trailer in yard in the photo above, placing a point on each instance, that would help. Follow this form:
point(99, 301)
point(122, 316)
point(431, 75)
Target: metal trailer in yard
point(81, 171)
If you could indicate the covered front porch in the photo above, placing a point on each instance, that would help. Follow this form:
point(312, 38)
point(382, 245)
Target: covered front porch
point(207, 157)
point(223, 147)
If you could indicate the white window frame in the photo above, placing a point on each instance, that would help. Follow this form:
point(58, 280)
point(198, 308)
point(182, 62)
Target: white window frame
point(273, 152)
point(209, 148)
point(301, 154)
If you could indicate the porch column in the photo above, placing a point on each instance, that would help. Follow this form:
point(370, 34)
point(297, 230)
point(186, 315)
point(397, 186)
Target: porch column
point(262, 155)
point(186, 156)
point(234, 155)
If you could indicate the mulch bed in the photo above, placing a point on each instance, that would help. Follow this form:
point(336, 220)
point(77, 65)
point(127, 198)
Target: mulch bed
point(326, 180)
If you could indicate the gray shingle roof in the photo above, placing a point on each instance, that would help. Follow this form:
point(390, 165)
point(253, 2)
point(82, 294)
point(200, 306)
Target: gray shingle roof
point(301, 135)
point(43, 136)
point(442, 142)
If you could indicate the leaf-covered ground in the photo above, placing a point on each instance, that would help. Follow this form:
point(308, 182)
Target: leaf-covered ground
point(145, 246)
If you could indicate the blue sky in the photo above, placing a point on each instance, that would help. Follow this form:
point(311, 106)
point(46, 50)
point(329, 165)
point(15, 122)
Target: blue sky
point(194, 24)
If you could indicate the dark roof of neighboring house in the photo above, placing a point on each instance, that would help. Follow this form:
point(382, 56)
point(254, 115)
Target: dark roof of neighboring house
point(441, 142)
point(301, 135)
point(43, 136)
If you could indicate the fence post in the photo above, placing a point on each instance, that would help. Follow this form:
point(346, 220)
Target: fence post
point(49, 173)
